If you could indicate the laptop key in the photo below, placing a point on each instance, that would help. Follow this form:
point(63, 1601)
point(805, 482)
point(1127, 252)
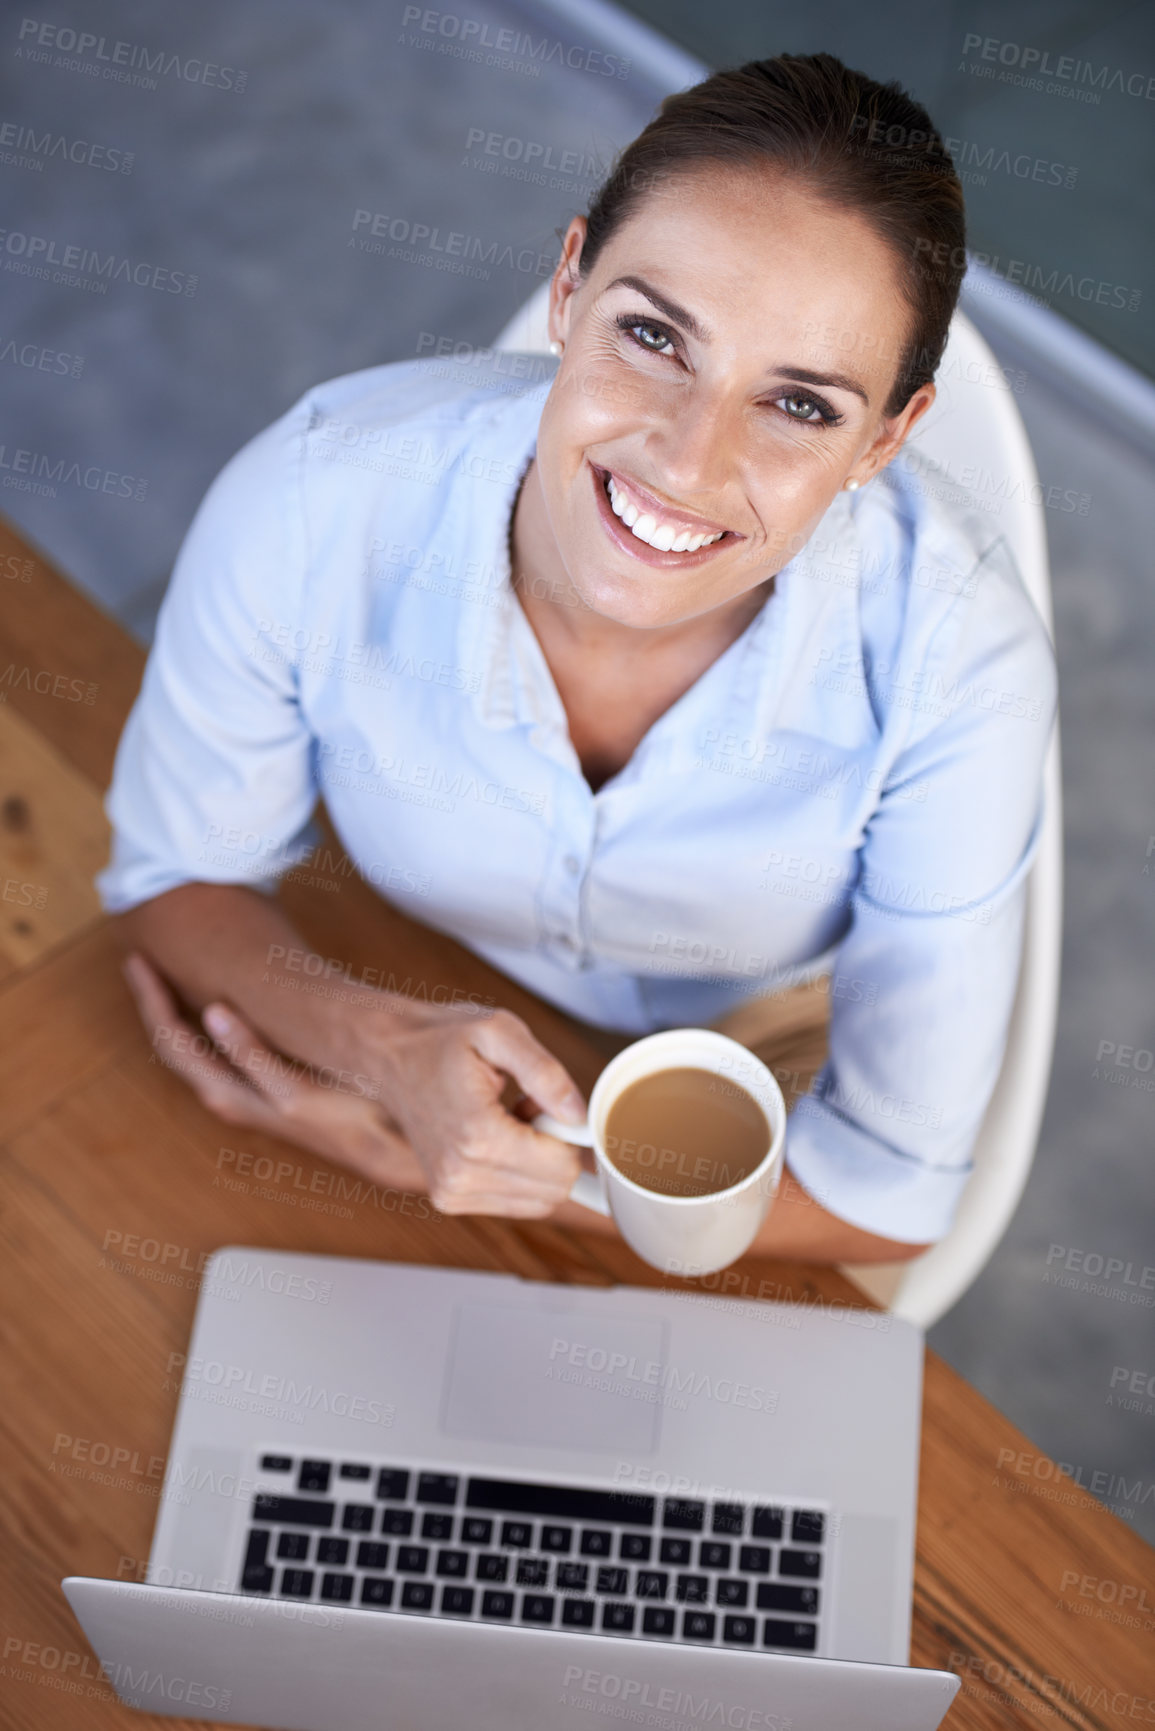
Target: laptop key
point(337, 1589)
point(754, 1559)
point(314, 1476)
point(498, 1605)
point(613, 1581)
point(293, 1547)
point(729, 1518)
point(532, 1571)
point(790, 1637)
point(733, 1593)
point(416, 1595)
point(376, 1593)
point(412, 1559)
point(808, 1527)
point(371, 1555)
point(358, 1517)
point(693, 1589)
point(713, 1555)
point(336, 1552)
point(657, 1620)
point(297, 1583)
point(803, 1565)
point(572, 1577)
point(518, 1534)
point(557, 1539)
point(698, 1625)
point(537, 1608)
point(684, 1516)
point(353, 1470)
point(399, 1522)
point(652, 1584)
point(773, 1597)
point(436, 1526)
point(635, 1547)
point(437, 1488)
point(596, 1543)
point(453, 1563)
point(292, 1511)
point(491, 1567)
point(560, 1502)
point(392, 1484)
point(578, 1613)
point(276, 1463)
point(739, 1631)
point(474, 1530)
point(676, 1551)
point(618, 1619)
point(456, 1601)
point(766, 1523)
point(256, 1575)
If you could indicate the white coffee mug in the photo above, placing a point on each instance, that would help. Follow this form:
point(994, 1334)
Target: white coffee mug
point(684, 1235)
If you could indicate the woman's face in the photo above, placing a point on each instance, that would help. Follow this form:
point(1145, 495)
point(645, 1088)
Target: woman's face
point(730, 386)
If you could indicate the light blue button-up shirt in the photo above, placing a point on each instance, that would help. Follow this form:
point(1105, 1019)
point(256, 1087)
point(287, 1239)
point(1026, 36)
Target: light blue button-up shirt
point(853, 787)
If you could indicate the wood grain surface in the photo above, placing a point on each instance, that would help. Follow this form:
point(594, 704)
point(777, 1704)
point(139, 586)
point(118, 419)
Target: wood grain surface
point(117, 1185)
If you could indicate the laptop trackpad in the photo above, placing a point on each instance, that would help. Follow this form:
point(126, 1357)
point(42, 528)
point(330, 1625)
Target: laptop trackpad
point(555, 1381)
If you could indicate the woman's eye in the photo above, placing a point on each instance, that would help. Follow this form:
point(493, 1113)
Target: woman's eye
point(802, 408)
point(652, 338)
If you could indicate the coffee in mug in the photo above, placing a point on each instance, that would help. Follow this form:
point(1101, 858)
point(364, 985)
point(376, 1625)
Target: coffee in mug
point(686, 1132)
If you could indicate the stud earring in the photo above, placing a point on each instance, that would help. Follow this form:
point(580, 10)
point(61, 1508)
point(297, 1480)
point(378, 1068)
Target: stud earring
point(555, 347)
point(852, 486)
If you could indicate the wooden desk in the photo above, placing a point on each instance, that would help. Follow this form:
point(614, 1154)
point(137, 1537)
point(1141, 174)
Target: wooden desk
point(114, 1179)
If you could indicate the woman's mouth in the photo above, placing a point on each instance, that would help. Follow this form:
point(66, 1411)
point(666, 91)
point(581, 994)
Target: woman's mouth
point(641, 526)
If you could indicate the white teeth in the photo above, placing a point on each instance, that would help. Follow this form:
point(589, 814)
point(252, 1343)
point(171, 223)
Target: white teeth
point(664, 537)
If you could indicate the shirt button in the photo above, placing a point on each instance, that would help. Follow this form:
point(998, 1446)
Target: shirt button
point(572, 864)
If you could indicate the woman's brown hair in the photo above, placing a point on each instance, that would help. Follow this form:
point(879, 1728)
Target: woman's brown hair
point(861, 145)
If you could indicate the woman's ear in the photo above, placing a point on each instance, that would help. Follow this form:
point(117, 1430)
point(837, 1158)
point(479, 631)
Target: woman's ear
point(566, 279)
point(893, 433)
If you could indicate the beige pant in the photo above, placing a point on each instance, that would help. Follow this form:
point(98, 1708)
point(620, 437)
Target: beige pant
point(787, 1031)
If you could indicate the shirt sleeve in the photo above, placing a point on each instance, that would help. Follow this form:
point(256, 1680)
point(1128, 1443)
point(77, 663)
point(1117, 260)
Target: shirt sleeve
point(214, 777)
point(925, 978)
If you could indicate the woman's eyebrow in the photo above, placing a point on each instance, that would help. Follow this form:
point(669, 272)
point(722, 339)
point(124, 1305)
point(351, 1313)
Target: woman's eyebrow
point(677, 315)
point(837, 381)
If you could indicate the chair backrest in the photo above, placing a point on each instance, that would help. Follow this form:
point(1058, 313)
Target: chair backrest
point(975, 436)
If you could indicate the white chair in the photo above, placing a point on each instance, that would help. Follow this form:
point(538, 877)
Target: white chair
point(974, 420)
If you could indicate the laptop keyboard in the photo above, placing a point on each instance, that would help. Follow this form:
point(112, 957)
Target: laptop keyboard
point(398, 1538)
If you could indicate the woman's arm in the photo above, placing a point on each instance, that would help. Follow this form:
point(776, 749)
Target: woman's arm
point(214, 941)
point(411, 1094)
point(797, 1229)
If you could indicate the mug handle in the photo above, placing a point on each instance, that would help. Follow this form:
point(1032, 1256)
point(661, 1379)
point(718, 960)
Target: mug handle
point(587, 1188)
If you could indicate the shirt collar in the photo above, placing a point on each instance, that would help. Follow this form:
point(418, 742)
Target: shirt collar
point(489, 473)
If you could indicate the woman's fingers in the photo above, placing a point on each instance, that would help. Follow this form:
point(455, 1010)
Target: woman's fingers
point(189, 1053)
point(504, 1041)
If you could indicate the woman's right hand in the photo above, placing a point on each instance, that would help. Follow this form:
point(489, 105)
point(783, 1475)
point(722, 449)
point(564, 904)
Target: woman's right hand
point(442, 1082)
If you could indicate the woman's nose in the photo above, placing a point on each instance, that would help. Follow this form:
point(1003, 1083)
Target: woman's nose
point(695, 450)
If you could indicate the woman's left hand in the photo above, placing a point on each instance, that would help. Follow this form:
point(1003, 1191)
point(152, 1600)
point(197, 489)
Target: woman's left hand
point(244, 1082)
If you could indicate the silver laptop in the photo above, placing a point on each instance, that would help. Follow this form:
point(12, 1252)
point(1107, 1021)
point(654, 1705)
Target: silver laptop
point(407, 1498)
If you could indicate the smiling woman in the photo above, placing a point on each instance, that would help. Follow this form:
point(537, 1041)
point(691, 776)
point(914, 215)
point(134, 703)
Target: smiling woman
point(655, 675)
